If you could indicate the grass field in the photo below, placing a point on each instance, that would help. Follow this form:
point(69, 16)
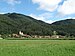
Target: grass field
point(37, 47)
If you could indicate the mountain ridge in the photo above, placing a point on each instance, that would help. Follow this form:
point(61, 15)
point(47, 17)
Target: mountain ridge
point(14, 22)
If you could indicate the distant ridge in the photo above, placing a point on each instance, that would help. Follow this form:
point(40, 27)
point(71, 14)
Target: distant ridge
point(65, 27)
point(64, 22)
point(14, 22)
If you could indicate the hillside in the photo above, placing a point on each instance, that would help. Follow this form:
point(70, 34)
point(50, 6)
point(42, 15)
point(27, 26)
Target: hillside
point(65, 22)
point(65, 27)
point(14, 22)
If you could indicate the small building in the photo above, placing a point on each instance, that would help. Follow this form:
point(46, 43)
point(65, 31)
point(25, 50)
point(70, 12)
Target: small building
point(47, 36)
point(21, 33)
point(15, 35)
point(55, 36)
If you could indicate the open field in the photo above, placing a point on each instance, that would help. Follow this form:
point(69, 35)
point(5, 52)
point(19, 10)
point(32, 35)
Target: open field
point(37, 47)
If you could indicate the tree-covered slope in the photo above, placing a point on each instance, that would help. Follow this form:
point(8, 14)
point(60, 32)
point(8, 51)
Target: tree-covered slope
point(65, 27)
point(14, 22)
point(65, 22)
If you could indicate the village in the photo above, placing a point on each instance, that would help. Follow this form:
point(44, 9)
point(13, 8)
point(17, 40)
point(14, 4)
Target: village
point(22, 35)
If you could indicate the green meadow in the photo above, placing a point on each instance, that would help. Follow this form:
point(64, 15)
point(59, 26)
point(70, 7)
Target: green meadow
point(37, 47)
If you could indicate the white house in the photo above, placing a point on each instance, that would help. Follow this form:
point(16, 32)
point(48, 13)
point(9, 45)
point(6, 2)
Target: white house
point(21, 33)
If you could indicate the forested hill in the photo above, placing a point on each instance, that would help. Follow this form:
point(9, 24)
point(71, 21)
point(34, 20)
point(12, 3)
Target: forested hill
point(14, 22)
point(65, 27)
point(65, 22)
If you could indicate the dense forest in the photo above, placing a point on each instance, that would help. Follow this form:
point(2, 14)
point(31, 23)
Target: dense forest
point(14, 22)
point(65, 27)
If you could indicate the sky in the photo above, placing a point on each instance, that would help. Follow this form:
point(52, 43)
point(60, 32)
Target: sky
point(48, 11)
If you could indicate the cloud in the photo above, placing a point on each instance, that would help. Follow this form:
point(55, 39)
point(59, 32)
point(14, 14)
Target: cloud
point(49, 21)
point(47, 5)
point(67, 8)
point(44, 17)
point(63, 7)
point(2, 13)
point(37, 17)
point(13, 2)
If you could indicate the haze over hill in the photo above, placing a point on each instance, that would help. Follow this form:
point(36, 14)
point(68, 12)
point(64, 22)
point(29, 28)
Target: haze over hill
point(13, 23)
